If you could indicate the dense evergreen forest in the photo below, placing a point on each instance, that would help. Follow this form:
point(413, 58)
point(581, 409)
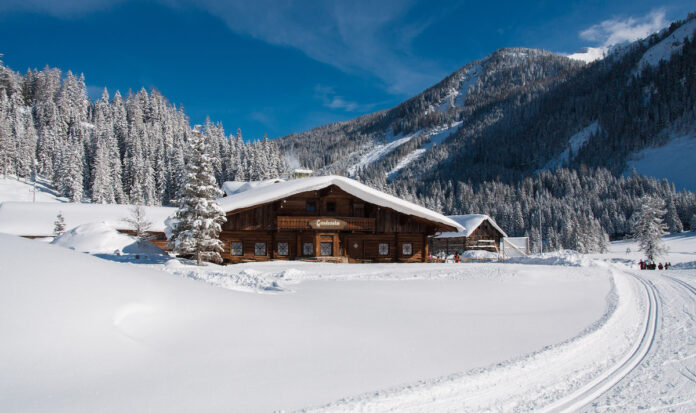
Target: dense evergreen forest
point(114, 149)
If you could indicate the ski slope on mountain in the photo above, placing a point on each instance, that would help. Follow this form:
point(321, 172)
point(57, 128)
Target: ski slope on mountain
point(574, 144)
point(675, 161)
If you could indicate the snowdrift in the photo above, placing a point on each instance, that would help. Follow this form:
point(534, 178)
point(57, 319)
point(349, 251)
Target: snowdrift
point(102, 238)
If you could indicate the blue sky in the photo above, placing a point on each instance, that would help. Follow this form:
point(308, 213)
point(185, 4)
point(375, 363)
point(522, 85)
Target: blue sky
point(279, 67)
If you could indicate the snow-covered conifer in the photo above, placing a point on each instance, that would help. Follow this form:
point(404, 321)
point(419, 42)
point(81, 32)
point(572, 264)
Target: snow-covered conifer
point(648, 227)
point(59, 224)
point(198, 219)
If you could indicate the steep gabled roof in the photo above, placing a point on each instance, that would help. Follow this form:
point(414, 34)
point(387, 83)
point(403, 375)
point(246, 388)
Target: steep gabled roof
point(38, 218)
point(470, 222)
point(280, 190)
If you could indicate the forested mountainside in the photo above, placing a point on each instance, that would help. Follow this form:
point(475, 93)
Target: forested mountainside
point(519, 111)
point(503, 134)
point(112, 150)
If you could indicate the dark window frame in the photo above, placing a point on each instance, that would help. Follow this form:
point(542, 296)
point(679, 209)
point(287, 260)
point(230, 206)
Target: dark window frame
point(241, 249)
point(311, 206)
point(265, 248)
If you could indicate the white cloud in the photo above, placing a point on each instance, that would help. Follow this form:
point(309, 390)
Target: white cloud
point(331, 100)
point(616, 31)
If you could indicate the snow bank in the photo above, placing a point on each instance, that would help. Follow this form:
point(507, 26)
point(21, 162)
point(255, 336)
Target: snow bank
point(266, 194)
point(37, 219)
point(102, 238)
point(563, 258)
point(480, 255)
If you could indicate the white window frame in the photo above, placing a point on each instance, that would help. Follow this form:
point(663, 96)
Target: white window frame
point(407, 249)
point(383, 249)
point(286, 249)
point(257, 245)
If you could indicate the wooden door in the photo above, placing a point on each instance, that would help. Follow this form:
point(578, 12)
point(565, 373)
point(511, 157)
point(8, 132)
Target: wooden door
point(354, 248)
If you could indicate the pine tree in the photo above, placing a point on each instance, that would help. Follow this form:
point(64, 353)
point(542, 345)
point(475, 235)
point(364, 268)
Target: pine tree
point(648, 227)
point(674, 224)
point(59, 224)
point(199, 217)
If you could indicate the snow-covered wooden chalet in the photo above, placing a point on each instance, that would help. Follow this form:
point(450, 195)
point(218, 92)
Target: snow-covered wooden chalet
point(330, 218)
point(480, 232)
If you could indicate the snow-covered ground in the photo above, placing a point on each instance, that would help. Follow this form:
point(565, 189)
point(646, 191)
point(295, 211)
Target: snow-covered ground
point(12, 189)
point(554, 332)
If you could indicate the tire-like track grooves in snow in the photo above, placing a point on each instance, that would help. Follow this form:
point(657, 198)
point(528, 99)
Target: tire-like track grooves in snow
point(611, 377)
point(682, 283)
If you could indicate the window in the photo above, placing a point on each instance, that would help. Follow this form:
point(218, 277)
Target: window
point(326, 248)
point(236, 248)
point(260, 248)
point(383, 248)
point(283, 249)
point(311, 206)
point(308, 249)
point(406, 248)
point(331, 206)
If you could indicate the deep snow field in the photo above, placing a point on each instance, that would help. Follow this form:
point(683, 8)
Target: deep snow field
point(86, 326)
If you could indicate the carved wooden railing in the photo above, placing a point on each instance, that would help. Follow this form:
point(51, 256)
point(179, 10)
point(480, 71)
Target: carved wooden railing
point(326, 223)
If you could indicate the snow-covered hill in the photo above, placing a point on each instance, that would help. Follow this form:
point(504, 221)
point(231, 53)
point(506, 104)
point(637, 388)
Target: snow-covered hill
point(663, 51)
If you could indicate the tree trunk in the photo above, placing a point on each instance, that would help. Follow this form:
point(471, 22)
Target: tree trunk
point(198, 258)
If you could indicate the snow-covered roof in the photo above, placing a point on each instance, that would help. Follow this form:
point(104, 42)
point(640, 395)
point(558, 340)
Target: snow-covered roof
point(270, 193)
point(37, 219)
point(469, 223)
point(235, 187)
point(303, 171)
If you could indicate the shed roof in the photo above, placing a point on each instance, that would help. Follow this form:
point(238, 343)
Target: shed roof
point(265, 194)
point(470, 222)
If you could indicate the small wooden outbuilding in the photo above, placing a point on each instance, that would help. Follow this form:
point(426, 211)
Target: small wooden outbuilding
point(480, 233)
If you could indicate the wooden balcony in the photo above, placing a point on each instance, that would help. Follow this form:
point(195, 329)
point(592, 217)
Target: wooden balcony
point(325, 223)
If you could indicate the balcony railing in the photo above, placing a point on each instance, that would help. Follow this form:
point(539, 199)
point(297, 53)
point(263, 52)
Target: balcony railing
point(326, 223)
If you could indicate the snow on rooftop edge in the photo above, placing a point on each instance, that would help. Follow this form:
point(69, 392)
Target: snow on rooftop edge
point(38, 218)
point(235, 187)
point(262, 195)
point(470, 222)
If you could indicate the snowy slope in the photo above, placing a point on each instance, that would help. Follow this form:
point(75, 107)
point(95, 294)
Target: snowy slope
point(83, 334)
point(379, 151)
point(12, 189)
point(675, 161)
point(667, 47)
point(574, 144)
point(436, 137)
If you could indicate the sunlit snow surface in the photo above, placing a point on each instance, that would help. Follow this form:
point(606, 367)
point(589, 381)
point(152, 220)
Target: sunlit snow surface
point(85, 334)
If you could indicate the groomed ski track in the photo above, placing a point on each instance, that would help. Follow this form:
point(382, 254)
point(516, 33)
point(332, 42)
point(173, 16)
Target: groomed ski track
point(551, 380)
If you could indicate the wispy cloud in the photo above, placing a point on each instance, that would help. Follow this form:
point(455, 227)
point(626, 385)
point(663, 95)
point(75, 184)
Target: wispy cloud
point(331, 100)
point(366, 37)
point(615, 31)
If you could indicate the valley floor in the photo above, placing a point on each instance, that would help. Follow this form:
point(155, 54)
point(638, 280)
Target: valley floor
point(548, 333)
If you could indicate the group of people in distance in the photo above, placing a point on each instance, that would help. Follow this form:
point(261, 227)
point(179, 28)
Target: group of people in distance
point(650, 265)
